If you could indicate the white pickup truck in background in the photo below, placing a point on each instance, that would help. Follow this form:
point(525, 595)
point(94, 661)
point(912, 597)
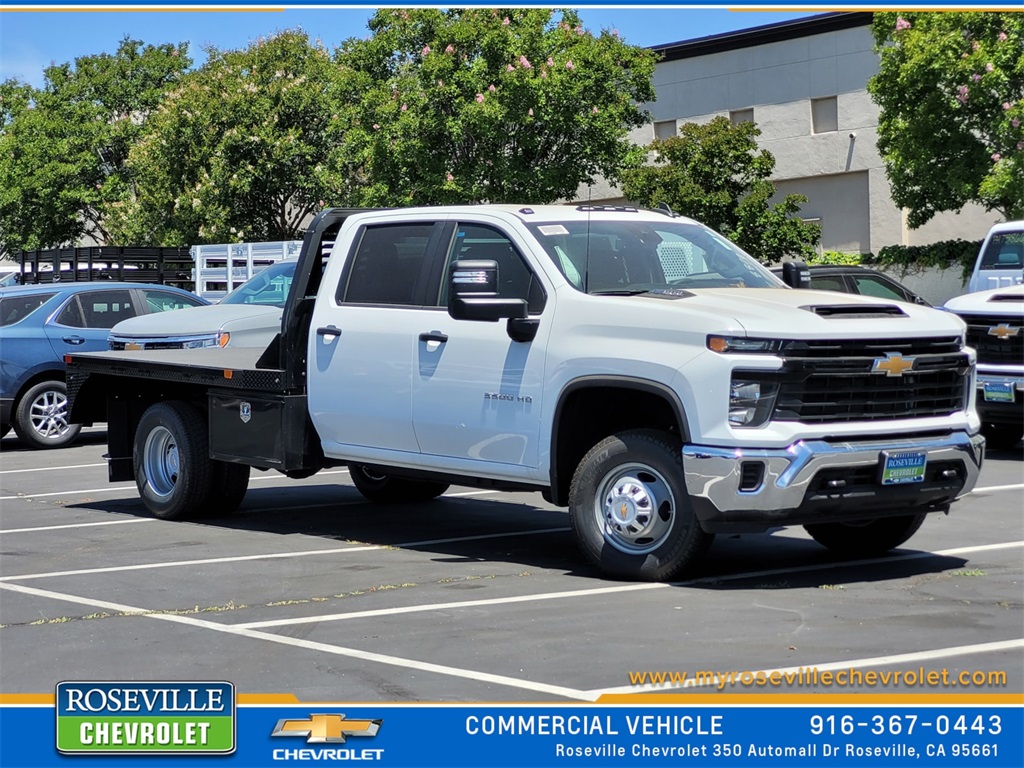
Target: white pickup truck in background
point(632, 365)
point(1000, 262)
point(995, 329)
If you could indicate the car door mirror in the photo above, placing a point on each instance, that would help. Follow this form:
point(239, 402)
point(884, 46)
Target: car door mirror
point(473, 293)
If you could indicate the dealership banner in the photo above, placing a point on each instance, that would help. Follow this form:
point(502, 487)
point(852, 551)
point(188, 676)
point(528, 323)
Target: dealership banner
point(201, 723)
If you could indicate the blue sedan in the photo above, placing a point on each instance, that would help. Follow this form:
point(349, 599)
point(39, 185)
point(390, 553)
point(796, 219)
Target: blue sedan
point(39, 324)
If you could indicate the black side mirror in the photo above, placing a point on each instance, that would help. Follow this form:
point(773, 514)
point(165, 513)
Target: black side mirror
point(796, 274)
point(473, 293)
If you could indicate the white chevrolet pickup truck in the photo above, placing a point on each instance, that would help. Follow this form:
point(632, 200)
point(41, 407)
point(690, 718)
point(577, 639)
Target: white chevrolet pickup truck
point(632, 365)
point(995, 329)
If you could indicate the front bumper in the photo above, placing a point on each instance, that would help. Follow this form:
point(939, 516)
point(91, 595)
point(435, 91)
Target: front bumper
point(740, 490)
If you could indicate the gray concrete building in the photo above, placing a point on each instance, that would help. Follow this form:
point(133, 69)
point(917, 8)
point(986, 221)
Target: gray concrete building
point(804, 83)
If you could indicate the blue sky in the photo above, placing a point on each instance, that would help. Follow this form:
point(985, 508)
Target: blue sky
point(30, 41)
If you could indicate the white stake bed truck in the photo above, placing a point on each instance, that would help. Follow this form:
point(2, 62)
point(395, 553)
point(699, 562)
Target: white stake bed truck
point(632, 365)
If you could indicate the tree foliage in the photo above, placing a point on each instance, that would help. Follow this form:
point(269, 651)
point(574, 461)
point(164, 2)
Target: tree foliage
point(714, 173)
point(471, 105)
point(244, 148)
point(63, 146)
point(951, 95)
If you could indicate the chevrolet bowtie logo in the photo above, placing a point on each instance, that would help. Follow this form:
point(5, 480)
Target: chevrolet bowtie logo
point(623, 513)
point(322, 729)
point(1003, 331)
point(893, 364)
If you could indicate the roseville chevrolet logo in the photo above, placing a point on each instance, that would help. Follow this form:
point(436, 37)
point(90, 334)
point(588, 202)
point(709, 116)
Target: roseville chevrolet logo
point(326, 729)
point(893, 364)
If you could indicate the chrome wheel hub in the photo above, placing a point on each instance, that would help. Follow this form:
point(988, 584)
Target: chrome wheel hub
point(635, 508)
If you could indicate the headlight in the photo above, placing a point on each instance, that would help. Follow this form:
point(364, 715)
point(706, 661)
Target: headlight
point(741, 344)
point(751, 402)
point(219, 340)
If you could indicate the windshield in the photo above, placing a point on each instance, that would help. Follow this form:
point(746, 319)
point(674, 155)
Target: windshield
point(1004, 251)
point(268, 288)
point(640, 256)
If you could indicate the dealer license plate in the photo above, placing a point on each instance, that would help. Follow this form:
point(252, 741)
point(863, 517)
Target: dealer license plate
point(899, 467)
point(998, 392)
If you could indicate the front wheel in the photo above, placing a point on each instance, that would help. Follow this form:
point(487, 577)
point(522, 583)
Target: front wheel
point(630, 511)
point(381, 487)
point(172, 466)
point(41, 418)
point(872, 537)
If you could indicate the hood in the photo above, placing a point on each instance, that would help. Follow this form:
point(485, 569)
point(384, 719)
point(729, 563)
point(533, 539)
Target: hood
point(1009, 300)
point(777, 313)
point(199, 320)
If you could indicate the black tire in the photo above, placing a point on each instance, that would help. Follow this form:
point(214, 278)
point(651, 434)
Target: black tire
point(630, 511)
point(381, 487)
point(228, 487)
point(1002, 437)
point(866, 539)
point(41, 416)
point(173, 470)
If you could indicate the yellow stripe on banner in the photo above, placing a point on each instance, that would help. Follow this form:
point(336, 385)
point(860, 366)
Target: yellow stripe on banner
point(266, 698)
point(23, 699)
point(726, 699)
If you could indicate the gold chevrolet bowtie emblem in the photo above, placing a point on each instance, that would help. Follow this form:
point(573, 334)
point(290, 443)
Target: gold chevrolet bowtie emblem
point(623, 513)
point(893, 364)
point(322, 729)
point(1003, 331)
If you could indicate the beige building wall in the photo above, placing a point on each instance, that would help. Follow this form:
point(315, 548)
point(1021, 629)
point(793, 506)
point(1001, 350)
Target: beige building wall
point(835, 162)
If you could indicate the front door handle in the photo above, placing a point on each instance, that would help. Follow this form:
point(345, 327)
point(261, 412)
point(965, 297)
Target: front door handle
point(434, 336)
point(330, 330)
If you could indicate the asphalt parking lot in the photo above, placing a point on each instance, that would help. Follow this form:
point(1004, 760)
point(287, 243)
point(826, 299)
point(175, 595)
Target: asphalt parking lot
point(479, 596)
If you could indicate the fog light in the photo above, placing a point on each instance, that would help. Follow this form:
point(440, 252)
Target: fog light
point(751, 402)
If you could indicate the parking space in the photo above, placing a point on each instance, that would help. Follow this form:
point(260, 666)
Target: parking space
point(478, 596)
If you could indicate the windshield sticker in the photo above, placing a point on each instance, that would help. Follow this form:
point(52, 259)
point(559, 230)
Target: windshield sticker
point(553, 229)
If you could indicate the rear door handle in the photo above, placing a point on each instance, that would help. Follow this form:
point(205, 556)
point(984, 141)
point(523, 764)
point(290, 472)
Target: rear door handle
point(330, 330)
point(434, 336)
point(73, 340)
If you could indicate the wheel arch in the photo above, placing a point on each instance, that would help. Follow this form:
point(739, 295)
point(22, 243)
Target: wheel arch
point(591, 408)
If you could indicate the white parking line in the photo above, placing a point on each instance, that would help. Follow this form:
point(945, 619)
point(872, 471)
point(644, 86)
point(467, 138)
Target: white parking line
point(115, 488)
point(277, 555)
point(51, 469)
point(996, 488)
point(9, 531)
point(624, 588)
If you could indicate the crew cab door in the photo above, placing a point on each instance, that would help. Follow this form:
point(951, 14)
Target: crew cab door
point(361, 343)
point(477, 393)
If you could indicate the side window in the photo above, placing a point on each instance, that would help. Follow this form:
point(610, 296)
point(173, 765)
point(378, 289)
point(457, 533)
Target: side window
point(386, 265)
point(828, 284)
point(97, 309)
point(71, 315)
point(515, 280)
point(872, 286)
point(163, 301)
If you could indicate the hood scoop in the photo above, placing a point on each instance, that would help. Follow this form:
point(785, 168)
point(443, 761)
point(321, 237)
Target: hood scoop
point(855, 311)
point(1015, 297)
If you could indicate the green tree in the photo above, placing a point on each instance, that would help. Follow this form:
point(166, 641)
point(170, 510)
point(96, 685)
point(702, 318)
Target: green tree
point(244, 148)
point(472, 105)
point(63, 146)
point(950, 90)
point(714, 173)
